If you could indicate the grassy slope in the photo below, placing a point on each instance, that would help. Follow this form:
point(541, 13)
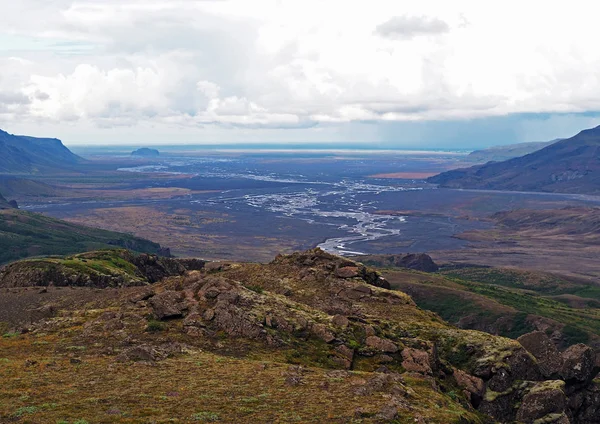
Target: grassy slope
point(222, 378)
point(25, 234)
point(486, 295)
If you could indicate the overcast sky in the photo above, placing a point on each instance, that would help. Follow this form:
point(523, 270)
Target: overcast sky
point(394, 73)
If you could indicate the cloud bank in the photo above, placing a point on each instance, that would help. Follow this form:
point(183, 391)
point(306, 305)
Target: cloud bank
point(203, 67)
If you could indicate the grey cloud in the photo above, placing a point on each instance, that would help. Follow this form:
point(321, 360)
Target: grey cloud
point(13, 98)
point(411, 26)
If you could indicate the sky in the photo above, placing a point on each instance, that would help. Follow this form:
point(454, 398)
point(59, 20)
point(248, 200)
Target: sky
point(406, 74)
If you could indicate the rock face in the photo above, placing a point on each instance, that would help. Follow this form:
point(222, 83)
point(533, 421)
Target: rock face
point(544, 350)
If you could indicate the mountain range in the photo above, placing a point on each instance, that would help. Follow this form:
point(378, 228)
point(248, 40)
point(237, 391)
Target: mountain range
point(31, 155)
point(567, 166)
point(500, 153)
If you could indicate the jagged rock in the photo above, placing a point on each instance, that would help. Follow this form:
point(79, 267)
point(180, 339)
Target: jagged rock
point(544, 350)
point(473, 386)
point(382, 345)
point(414, 360)
point(168, 304)
point(544, 399)
point(578, 363)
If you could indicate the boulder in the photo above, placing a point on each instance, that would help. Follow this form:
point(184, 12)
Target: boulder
point(340, 321)
point(347, 272)
point(323, 333)
point(168, 304)
point(545, 399)
point(415, 360)
point(578, 363)
point(382, 345)
point(545, 352)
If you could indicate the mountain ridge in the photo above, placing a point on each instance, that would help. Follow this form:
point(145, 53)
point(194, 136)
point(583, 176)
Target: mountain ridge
point(501, 153)
point(567, 166)
point(31, 155)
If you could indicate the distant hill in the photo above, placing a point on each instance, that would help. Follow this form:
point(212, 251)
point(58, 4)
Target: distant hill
point(146, 152)
point(24, 234)
point(30, 155)
point(500, 153)
point(567, 166)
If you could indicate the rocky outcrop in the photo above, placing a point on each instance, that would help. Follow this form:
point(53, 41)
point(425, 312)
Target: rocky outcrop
point(573, 395)
point(320, 310)
point(101, 269)
point(417, 261)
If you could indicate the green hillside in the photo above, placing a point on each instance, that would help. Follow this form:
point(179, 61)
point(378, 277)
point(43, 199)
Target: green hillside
point(25, 234)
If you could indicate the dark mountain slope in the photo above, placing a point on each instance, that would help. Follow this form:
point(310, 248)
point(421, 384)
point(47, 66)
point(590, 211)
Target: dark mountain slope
point(568, 166)
point(30, 155)
point(24, 234)
point(500, 153)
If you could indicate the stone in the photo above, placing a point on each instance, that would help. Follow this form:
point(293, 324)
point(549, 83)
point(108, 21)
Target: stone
point(382, 345)
point(340, 321)
point(323, 333)
point(543, 399)
point(388, 412)
point(168, 304)
point(578, 363)
point(473, 386)
point(415, 360)
point(347, 272)
point(545, 352)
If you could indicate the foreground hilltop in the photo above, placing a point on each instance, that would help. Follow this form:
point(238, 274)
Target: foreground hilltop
point(567, 166)
point(309, 337)
point(30, 155)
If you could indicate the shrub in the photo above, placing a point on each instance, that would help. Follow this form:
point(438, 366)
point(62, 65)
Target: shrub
point(207, 417)
point(155, 326)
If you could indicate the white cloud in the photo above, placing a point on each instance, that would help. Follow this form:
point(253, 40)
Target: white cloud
point(265, 64)
point(411, 26)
